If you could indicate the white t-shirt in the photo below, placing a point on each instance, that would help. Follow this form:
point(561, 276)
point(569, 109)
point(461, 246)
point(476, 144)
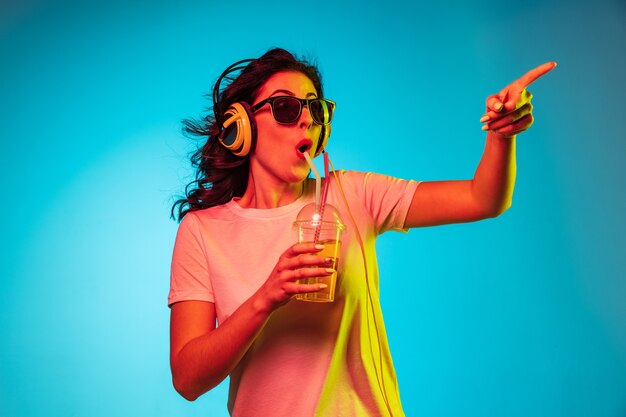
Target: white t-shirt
point(321, 359)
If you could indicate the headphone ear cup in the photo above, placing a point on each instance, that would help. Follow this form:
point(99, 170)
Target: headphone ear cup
point(239, 130)
point(324, 135)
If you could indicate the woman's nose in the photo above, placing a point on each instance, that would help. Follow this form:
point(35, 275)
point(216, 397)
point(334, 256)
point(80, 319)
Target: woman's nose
point(305, 117)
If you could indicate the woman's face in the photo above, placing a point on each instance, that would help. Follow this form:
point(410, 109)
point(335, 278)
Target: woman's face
point(276, 151)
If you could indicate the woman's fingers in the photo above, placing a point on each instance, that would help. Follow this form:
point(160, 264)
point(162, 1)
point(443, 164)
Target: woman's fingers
point(509, 118)
point(300, 262)
point(514, 95)
point(297, 281)
point(302, 255)
point(495, 103)
point(532, 75)
point(492, 116)
point(297, 271)
point(311, 272)
point(301, 248)
point(514, 101)
point(305, 260)
point(517, 127)
point(295, 288)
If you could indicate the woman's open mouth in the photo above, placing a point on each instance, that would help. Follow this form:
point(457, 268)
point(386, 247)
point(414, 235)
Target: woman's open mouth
point(303, 146)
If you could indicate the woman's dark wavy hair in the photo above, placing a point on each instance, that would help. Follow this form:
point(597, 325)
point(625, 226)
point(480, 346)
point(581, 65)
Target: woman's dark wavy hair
point(221, 175)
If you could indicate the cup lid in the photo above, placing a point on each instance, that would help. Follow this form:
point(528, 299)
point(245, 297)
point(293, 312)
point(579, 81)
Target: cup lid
point(329, 217)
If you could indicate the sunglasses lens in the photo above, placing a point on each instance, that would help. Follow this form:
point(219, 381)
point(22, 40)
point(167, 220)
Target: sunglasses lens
point(286, 109)
point(321, 111)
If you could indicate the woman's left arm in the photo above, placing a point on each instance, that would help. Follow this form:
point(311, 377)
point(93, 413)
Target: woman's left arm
point(490, 192)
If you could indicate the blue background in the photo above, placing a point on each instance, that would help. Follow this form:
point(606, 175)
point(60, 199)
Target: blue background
point(522, 315)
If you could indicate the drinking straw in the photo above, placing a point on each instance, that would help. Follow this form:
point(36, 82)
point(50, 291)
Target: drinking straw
point(318, 181)
point(323, 201)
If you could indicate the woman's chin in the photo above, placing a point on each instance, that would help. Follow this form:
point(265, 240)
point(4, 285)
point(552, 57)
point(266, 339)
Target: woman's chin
point(300, 173)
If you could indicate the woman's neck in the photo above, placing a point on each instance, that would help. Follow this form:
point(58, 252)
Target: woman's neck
point(269, 193)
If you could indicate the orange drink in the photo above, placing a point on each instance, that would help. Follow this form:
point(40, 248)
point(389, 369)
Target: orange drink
point(331, 250)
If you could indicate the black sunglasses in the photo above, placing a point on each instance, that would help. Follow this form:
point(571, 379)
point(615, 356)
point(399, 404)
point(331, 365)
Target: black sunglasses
point(287, 109)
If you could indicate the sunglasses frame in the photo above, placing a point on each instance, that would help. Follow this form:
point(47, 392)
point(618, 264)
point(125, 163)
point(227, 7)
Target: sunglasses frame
point(303, 102)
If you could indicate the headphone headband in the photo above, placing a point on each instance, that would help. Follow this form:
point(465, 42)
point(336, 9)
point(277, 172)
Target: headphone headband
point(231, 68)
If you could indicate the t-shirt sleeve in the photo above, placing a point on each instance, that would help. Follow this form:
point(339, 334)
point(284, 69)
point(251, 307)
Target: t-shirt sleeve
point(387, 199)
point(189, 275)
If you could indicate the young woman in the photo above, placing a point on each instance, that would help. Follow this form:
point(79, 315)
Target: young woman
point(235, 261)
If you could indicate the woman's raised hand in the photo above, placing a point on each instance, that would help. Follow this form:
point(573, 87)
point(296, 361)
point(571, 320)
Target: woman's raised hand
point(509, 112)
point(297, 262)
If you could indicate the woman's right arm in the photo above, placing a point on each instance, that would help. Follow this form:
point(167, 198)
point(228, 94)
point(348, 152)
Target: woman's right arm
point(201, 355)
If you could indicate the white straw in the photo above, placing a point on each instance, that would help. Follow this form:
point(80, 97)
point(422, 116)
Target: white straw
point(318, 181)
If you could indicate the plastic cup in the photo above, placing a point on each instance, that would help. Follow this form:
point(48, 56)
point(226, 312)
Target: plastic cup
point(326, 231)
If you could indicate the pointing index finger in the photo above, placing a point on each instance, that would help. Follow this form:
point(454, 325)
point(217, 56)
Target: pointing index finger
point(532, 75)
